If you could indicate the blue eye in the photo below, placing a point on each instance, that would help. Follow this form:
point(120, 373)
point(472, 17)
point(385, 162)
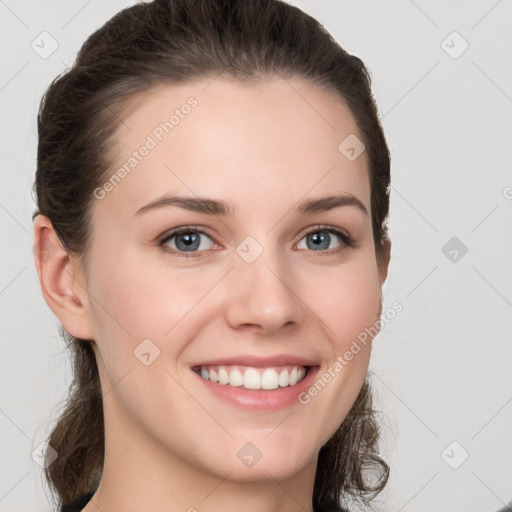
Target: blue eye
point(321, 239)
point(186, 241)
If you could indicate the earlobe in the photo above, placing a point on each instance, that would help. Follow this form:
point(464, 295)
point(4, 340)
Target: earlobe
point(62, 283)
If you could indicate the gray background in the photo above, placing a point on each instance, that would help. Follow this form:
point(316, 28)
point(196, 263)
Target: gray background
point(443, 365)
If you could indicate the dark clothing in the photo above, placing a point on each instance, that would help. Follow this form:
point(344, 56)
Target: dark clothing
point(80, 503)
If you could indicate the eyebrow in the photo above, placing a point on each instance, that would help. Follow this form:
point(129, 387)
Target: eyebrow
point(216, 207)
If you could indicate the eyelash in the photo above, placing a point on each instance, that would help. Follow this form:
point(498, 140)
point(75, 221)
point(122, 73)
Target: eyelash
point(347, 240)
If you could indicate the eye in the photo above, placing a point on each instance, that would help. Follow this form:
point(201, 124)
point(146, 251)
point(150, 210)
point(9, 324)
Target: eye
point(320, 238)
point(185, 240)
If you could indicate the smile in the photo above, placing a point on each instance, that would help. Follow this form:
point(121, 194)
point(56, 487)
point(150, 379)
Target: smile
point(253, 378)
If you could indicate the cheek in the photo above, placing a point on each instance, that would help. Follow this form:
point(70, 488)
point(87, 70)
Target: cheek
point(347, 300)
point(142, 302)
point(141, 321)
point(348, 309)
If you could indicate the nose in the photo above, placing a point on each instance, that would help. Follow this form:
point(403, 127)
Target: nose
point(264, 294)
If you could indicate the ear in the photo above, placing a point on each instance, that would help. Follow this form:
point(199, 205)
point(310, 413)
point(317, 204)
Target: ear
point(386, 255)
point(383, 266)
point(62, 281)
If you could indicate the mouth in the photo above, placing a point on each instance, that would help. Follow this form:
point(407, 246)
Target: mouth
point(253, 378)
point(257, 383)
point(254, 383)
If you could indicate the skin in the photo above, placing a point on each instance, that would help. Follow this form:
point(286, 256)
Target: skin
point(263, 149)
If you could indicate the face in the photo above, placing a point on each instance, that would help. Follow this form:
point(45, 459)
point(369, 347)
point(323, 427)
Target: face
point(255, 291)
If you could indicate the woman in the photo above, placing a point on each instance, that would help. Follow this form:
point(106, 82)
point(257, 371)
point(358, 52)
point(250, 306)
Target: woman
point(212, 196)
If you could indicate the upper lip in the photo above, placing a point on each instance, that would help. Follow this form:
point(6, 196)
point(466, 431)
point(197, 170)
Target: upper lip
point(259, 361)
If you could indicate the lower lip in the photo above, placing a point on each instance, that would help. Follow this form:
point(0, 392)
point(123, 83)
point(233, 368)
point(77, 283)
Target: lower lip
point(260, 399)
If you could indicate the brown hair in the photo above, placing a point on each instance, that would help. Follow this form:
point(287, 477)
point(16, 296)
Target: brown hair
point(163, 43)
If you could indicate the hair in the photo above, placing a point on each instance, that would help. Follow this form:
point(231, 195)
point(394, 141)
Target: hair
point(164, 43)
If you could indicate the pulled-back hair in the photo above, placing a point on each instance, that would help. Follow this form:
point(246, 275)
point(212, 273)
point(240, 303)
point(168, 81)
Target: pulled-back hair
point(167, 42)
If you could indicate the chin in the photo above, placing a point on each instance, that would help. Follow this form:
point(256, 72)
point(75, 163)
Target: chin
point(279, 456)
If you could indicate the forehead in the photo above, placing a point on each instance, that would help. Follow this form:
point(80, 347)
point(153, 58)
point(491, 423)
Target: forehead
point(277, 139)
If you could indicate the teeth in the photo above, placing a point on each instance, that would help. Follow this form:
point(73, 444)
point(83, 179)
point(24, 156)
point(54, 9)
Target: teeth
point(236, 378)
point(292, 379)
point(254, 378)
point(269, 379)
point(223, 376)
point(283, 378)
